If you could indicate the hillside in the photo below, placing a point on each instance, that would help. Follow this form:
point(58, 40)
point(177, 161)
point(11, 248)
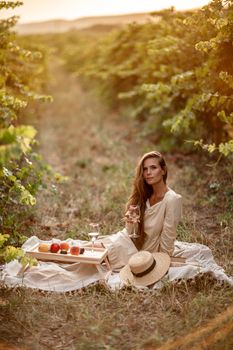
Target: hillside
point(60, 26)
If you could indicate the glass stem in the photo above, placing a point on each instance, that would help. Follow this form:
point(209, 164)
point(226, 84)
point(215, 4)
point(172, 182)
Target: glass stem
point(134, 230)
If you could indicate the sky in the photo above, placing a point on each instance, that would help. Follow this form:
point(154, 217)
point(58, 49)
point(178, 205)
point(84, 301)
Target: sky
point(42, 10)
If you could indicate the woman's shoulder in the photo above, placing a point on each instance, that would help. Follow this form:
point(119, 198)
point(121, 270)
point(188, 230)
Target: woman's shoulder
point(173, 196)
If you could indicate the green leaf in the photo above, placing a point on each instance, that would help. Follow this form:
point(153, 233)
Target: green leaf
point(226, 148)
point(3, 239)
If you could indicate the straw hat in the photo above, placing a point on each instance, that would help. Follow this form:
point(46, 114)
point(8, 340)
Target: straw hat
point(145, 268)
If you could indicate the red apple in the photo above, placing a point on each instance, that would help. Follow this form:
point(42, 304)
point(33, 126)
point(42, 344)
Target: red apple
point(74, 250)
point(54, 247)
point(64, 246)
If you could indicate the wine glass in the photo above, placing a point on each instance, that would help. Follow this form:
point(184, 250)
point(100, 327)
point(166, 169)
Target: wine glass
point(134, 216)
point(93, 234)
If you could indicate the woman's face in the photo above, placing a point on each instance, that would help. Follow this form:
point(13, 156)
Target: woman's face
point(152, 171)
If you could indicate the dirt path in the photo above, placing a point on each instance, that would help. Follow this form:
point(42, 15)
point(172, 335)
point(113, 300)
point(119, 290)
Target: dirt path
point(96, 149)
point(74, 126)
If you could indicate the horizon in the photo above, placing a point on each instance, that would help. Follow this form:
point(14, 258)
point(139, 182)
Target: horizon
point(85, 17)
point(33, 11)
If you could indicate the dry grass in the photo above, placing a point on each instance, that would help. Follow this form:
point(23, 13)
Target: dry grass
point(96, 318)
point(98, 151)
point(217, 330)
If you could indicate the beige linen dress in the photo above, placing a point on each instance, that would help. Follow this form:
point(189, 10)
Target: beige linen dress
point(160, 224)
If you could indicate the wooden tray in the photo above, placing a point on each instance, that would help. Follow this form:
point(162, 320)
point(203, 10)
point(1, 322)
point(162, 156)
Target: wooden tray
point(96, 257)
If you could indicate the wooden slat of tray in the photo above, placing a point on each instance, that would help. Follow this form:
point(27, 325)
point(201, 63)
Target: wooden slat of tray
point(86, 257)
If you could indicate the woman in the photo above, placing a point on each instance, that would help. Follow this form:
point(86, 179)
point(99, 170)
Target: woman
point(160, 212)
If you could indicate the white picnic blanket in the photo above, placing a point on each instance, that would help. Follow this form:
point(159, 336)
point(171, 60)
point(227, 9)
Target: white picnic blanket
point(57, 277)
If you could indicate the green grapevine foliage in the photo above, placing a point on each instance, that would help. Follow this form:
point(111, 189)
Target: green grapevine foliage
point(174, 74)
point(21, 169)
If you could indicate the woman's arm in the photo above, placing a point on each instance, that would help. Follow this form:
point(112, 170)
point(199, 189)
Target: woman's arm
point(172, 217)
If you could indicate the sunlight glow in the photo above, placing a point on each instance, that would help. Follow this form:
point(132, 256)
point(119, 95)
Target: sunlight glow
point(41, 10)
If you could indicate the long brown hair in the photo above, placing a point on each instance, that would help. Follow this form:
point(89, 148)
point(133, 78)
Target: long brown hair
point(142, 191)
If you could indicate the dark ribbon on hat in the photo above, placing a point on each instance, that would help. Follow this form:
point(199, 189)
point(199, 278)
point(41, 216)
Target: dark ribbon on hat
point(143, 273)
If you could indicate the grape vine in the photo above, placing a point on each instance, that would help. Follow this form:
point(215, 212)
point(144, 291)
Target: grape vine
point(173, 74)
point(21, 168)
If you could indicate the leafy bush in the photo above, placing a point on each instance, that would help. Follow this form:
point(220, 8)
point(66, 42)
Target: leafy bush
point(174, 74)
point(21, 169)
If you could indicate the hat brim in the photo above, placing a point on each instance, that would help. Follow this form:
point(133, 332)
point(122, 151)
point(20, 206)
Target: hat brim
point(163, 261)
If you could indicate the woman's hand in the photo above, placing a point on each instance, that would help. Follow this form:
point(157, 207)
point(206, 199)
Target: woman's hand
point(128, 218)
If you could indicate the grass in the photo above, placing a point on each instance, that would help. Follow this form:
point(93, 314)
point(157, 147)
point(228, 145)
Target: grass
point(100, 169)
point(215, 335)
point(96, 318)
